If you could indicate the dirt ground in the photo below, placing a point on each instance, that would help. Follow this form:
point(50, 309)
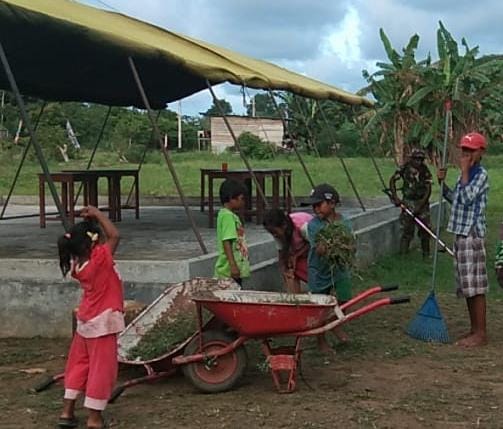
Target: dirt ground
point(381, 379)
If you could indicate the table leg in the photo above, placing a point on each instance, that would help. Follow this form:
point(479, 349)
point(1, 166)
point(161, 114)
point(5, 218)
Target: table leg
point(111, 200)
point(64, 197)
point(85, 190)
point(275, 190)
point(288, 193)
point(249, 200)
point(137, 195)
point(260, 205)
point(41, 200)
point(93, 192)
point(118, 202)
point(203, 181)
point(210, 203)
point(71, 207)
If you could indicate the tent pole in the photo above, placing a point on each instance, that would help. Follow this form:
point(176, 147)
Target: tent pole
point(21, 162)
point(285, 127)
point(143, 156)
point(308, 128)
point(166, 154)
point(260, 191)
point(38, 149)
point(95, 148)
point(341, 159)
point(252, 100)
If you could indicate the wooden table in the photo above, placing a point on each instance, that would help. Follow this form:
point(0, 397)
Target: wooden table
point(278, 200)
point(89, 180)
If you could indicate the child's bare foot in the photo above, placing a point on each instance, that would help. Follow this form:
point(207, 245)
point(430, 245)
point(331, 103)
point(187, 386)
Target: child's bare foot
point(323, 345)
point(474, 340)
point(95, 420)
point(341, 335)
point(466, 335)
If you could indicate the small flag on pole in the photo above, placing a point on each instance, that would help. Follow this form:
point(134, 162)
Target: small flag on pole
point(71, 135)
point(18, 132)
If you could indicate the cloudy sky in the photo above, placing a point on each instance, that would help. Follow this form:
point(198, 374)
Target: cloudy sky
point(328, 40)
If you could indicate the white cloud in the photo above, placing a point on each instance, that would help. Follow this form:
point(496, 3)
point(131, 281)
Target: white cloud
point(328, 40)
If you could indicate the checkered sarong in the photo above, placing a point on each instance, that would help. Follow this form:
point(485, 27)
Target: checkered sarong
point(470, 266)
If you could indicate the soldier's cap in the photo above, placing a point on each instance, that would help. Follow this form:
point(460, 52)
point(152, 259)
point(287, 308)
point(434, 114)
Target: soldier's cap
point(418, 153)
point(473, 141)
point(320, 193)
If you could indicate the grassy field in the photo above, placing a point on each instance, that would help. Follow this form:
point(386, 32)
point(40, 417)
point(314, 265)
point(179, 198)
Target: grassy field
point(155, 179)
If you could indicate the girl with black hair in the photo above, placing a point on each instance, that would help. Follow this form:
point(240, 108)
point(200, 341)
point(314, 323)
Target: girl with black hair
point(86, 251)
point(290, 233)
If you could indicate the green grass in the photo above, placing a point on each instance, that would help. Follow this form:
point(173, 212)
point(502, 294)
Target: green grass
point(155, 179)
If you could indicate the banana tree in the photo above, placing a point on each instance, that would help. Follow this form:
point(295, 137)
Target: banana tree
point(411, 94)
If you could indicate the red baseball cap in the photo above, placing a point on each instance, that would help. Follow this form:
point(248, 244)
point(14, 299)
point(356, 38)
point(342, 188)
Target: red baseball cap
point(473, 141)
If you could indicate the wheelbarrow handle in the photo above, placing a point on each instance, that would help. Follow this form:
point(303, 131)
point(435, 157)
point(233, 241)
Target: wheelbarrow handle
point(389, 288)
point(47, 382)
point(399, 300)
point(365, 294)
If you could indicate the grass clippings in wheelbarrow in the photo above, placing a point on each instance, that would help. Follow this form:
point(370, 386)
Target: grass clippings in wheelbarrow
point(169, 331)
point(339, 245)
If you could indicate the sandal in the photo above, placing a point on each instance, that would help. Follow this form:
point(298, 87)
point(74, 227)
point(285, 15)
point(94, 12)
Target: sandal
point(68, 422)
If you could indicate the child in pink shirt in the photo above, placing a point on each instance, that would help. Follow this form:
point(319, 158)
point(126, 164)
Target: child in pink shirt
point(290, 233)
point(92, 365)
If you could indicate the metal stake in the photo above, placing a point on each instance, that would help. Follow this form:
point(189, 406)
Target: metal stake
point(38, 149)
point(260, 191)
point(166, 154)
point(143, 156)
point(21, 162)
point(285, 127)
point(341, 159)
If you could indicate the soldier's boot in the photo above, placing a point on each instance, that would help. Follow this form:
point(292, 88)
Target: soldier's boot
point(404, 245)
point(425, 247)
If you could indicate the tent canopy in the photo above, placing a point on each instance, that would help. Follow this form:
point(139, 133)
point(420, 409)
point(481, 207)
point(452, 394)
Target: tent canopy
point(64, 51)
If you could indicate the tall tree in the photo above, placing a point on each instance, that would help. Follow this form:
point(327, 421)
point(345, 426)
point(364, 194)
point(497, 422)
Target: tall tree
point(215, 111)
point(264, 106)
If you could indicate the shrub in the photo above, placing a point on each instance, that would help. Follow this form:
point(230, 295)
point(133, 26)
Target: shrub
point(254, 147)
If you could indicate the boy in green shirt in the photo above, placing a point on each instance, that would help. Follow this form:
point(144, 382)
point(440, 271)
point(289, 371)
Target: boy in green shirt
point(232, 258)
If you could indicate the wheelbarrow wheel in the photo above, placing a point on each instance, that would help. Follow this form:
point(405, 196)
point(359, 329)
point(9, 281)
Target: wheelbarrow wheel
point(218, 374)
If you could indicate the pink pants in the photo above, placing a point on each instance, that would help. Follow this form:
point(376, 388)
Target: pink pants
point(92, 368)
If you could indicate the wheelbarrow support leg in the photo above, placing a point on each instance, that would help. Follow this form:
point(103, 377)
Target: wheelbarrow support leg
point(283, 361)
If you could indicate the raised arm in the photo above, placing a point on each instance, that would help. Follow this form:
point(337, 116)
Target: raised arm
point(109, 229)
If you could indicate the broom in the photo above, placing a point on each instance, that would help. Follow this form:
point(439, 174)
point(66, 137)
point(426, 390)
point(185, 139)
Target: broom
point(429, 324)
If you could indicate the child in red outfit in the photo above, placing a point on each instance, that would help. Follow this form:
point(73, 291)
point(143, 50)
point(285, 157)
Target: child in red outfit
point(92, 365)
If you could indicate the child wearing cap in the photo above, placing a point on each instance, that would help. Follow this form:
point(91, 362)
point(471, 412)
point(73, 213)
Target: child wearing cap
point(321, 278)
point(468, 222)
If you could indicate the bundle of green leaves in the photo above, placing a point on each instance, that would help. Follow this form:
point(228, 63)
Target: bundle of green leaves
point(339, 245)
point(169, 331)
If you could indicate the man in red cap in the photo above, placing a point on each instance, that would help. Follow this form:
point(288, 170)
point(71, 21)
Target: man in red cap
point(468, 222)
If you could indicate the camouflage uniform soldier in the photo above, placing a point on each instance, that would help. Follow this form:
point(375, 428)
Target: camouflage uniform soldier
point(416, 190)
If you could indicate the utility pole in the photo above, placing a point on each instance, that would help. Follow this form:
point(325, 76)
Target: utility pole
point(179, 124)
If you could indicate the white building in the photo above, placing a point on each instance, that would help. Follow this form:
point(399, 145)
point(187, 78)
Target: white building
point(268, 129)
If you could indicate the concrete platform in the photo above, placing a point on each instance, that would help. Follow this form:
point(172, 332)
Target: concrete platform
point(156, 250)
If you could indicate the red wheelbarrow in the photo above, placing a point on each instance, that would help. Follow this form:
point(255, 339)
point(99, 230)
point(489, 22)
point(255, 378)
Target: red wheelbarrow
point(215, 359)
